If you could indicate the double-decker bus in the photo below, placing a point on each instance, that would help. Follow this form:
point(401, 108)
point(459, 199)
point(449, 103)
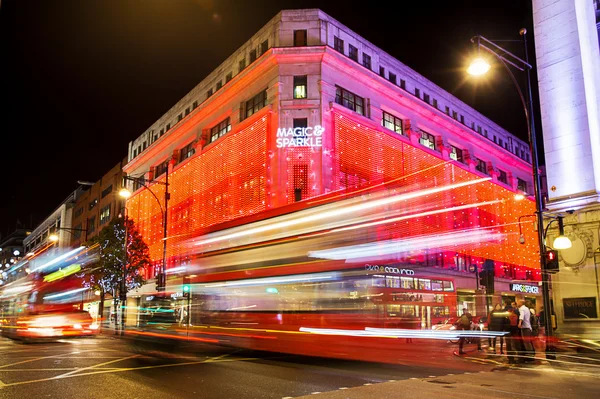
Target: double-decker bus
point(34, 308)
point(294, 282)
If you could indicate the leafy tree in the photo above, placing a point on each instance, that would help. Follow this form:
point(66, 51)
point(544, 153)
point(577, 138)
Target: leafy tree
point(107, 273)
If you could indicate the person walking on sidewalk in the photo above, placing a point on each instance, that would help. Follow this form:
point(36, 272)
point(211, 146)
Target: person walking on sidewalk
point(497, 321)
point(463, 324)
point(514, 339)
point(526, 335)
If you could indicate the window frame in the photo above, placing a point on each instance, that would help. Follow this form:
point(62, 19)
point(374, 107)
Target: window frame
point(300, 81)
point(220, 129)
point(394, 123)
point(428, 140)
point(352, 52)
point(255, 103)
point(349, 100)
point(297, 39)
point(338, 44)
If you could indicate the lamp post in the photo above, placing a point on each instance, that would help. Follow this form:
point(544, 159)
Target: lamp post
point(480, 66)
point(125, 193)
point(54, 237)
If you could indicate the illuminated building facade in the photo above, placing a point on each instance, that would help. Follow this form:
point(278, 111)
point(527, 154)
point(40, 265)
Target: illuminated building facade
point(97, 205)
point(568, 63)
point(307, 108)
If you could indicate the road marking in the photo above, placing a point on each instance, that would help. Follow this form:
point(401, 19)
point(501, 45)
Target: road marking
point(96, 365)
point(34, 359)
point(343, 387)
point(368, 383)
point(315, 393)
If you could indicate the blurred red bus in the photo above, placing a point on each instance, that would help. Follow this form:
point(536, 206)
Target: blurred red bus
point(33, 309)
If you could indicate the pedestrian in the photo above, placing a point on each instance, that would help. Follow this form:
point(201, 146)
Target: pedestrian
point(525, 327)
point(514, 338)
point(463, 324)
point(496, 322)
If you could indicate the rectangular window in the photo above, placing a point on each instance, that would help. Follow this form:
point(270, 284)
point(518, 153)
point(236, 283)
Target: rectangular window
point(300, 122)
point(187, 111)
point(392, 78)
point(106, 191)
point(195, 104)
point(382, 72)
point(105, 214)
point(219, 84)
point(350, 100)
point(481, 166)
point(78, 212)
point(143, 146)
point(300, 86)
point(426, 97)
point(392, 122)
point(367, 61)
point(186, 152)
point(77, 230)
point(91, 224)
point(428, 140)
point(220, 129)
point(456, 154)
point(521, 185)
point(242, 64)
point(403, 84)
point(417, 92)
point(228, 77)
point(502, 177)
point(447, 110)
point(255, 103)
point(162, 131)
point(209, 92)
point(300, 38)
point(338, 44)
point(353, 53)
point(179, 117)
point(479, 129)
point(252, 56)
point(264, 46)
point(161, 168)
point(92, 204)
point(462, 119)
point(500, 143)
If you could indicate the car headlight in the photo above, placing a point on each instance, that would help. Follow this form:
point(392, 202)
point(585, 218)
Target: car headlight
point(453, 328)
point(77, 326)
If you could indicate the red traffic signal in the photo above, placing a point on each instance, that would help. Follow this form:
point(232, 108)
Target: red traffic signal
point(552, 261)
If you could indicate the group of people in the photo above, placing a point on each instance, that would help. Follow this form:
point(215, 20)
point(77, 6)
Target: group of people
point(523, 326)
point(520, 322)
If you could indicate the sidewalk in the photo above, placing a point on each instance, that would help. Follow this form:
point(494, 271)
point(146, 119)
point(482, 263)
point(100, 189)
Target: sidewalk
point(490, 385)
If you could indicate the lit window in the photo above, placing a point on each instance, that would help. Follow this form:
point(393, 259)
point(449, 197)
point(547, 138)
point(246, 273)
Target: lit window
point(105, 214)
point(392, 122)
point(220, 129)
point(186, 152)
point(428, 140)
point(300, 86)
point(456, 153)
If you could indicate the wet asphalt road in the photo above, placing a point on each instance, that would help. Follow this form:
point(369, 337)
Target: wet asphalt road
point(106, 367)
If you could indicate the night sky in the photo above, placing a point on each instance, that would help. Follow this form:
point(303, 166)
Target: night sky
point(80, 79)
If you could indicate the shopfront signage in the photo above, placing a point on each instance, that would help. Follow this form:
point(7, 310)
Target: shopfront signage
point(311, 136)
point(580, 308)
point(526, 289)
point(389, 269)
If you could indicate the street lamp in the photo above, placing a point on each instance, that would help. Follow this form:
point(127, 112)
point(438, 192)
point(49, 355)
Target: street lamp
point(506, 58)
point(125, 193)
point(54, 237)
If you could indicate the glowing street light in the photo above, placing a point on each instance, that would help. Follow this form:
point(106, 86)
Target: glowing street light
point(124, 193)
point(562, 241)
point(53, 237)
point(479, 66)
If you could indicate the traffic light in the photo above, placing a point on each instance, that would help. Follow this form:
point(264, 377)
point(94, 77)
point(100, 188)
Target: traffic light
point(552, 261)
point(483, 278)
point(186, 290)
point(160, 282)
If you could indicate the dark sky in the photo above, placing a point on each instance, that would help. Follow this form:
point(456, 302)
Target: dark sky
point(80, 79)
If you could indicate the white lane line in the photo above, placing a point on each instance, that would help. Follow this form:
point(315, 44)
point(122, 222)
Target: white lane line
point(34, 359)
point(94, 366)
